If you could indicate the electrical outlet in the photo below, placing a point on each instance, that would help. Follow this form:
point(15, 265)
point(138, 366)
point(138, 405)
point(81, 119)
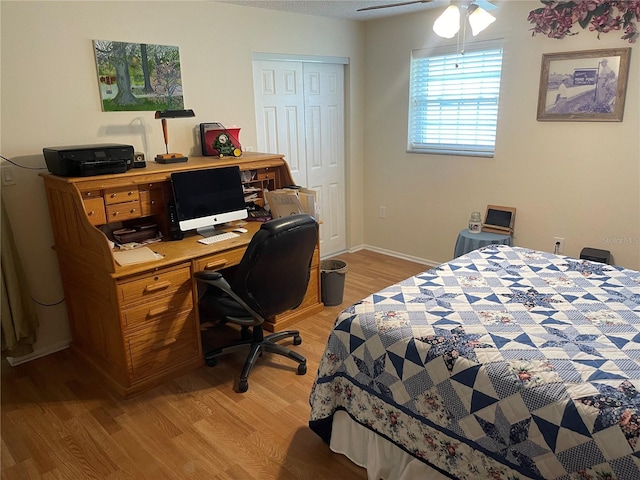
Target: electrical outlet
point(558, 245)
point(382, 213)
point(7, 175)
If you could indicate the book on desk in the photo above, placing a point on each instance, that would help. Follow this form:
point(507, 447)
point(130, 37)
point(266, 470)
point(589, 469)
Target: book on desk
point(135, 255)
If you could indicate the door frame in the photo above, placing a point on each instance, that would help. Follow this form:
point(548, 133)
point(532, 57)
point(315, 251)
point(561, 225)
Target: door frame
point(285, 57)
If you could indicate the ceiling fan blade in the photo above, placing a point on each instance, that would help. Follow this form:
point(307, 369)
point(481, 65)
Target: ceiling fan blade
point(399, 4)
point(485, 4)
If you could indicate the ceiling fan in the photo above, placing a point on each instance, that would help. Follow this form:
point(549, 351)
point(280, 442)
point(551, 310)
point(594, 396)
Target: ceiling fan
point(448, 24)
point(397, 4)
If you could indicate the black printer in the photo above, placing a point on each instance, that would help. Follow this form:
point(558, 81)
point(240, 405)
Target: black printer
point(88, 160)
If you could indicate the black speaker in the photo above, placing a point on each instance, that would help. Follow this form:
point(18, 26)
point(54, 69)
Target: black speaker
point(595, 255)
point(138, 160)
point(174, 229)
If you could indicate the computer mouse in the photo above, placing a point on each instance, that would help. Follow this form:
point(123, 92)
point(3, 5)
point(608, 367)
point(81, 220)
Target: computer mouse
point(240, 230)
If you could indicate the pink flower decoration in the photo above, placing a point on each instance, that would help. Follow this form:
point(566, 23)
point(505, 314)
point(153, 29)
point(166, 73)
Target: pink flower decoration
point(557, 18)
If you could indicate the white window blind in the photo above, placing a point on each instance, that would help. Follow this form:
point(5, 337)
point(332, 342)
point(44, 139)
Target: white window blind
point(453, 101)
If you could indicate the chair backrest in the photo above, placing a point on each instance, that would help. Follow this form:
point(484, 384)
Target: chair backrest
point(273, 275)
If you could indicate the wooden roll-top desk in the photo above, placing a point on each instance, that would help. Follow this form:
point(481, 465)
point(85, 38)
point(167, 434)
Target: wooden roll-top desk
point(138, 325)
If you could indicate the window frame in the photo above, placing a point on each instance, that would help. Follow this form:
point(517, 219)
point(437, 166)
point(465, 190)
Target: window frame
point(459, 149)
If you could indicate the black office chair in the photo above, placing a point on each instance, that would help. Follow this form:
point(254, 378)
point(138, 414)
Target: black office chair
point(272, 277)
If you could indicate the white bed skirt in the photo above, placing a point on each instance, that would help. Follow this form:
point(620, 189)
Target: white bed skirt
point(381, 458)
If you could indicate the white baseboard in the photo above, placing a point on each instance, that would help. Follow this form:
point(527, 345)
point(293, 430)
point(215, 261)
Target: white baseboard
point(411, 258)
point(391, 253)
point(48, 350)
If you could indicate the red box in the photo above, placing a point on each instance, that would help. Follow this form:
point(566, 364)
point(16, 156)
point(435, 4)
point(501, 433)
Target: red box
point(219, 141)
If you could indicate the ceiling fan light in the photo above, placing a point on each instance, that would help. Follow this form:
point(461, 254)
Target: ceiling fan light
point(448, 24)
point(480, 19)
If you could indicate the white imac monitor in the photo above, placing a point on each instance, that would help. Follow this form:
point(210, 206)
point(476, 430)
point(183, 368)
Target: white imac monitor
point(208, 197)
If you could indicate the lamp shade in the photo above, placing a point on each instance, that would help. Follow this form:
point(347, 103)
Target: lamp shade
point(174, 113)
point(480, 19)
point(448, 24)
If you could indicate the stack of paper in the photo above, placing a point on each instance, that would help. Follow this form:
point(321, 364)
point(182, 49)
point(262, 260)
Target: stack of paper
point(137, 255)
point(309, 201)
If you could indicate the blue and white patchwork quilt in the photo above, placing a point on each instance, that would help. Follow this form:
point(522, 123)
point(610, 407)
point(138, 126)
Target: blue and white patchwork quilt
point(505, 363)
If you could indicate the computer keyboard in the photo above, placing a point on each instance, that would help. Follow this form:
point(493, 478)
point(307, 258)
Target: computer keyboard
point(220, 237)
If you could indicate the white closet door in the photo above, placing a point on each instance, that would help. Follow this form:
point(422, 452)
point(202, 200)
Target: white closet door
point(324, 126)
point(300, 113)
point(279, 103)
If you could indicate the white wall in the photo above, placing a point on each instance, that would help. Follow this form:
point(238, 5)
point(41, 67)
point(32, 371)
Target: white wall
point(580, 181)
point(50, 97)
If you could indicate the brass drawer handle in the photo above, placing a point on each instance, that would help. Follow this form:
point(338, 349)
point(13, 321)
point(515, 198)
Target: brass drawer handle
point(216, 264)
point(164, 343)
point(157, 286)
point(159, 311)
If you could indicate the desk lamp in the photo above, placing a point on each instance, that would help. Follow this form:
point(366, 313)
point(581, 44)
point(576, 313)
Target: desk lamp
point(164, 114)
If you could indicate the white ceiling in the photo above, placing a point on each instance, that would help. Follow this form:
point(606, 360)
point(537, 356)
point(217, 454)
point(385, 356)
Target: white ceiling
point(347, 9)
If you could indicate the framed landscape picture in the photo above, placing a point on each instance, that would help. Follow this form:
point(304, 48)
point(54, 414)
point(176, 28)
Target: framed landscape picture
point(586, 86)
point(138, 76)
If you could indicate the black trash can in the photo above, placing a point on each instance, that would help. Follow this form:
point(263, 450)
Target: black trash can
point(332, 276)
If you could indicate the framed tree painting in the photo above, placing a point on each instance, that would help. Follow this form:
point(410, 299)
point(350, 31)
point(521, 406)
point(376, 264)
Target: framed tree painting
point(138, 76)
point(585, 86)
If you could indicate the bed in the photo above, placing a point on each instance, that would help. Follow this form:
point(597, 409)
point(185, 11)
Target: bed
point(505, 363)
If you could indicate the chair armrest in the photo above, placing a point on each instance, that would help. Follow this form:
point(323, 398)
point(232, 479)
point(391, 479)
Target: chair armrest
point(207, 275)
point(216, 279)
point(213, 278)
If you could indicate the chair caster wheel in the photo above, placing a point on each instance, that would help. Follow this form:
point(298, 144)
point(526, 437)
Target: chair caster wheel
point(243, 386)
point(302, 368)
point(211, 362)
point(297, 340)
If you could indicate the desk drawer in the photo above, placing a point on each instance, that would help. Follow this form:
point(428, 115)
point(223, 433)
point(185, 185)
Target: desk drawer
point(95, 210)
point(266, 174)
point(121, 195)
point(151, 201)
point(123, 211)
point(219, 261)
point(161, 284)
point(167, 307)
point(162, 346)
point(91, 194)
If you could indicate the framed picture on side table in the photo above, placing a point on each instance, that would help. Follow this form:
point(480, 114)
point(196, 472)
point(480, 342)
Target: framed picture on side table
point(584, 86)
point(499, 220)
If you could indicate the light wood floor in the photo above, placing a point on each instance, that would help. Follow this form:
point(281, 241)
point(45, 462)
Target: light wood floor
point(58, 422)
